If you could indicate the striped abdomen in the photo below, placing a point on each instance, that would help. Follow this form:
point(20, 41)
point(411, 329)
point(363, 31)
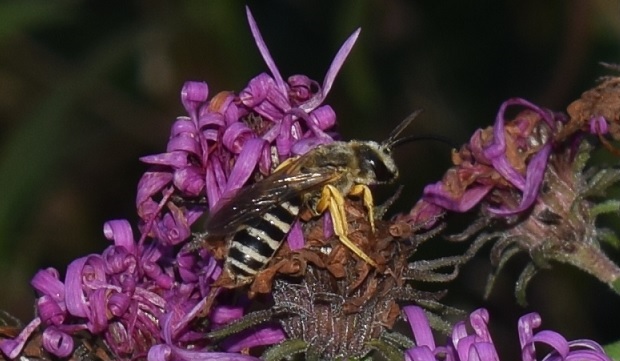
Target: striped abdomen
point(252, 247)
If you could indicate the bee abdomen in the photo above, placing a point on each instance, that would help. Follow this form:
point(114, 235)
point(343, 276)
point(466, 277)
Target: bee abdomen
point(251, 248)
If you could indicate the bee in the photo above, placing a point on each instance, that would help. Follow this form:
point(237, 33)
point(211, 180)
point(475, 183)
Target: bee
point(257, 218)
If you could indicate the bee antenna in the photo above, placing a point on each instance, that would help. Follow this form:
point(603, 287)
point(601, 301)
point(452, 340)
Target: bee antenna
point(393, 138)
point(415, 138)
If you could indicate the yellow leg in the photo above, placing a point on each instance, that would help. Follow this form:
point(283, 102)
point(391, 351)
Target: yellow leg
point(285, 163)
point(333, 200)
point(364, 191)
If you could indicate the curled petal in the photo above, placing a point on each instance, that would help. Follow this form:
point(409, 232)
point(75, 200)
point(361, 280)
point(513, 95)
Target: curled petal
point(302, 88)
point(236, 136)
point(50, 312)
point(47, 283)
point(75, 298)
point(535, 175)
point(193, 95)
point(120, 232)
point(182, 125)
point(118, 304)
point(13, 347)
point(190, 181)
point(256, 90)
point(479, 319)
point(323, 117)
point(551, 338)
point(57, 342)
point(97, 316)
point(436, 194)
point(150, 184)
point(173, 228)
point(180, 147)
point(212, 121)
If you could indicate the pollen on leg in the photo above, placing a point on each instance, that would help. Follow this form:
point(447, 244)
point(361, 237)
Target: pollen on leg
point(332, 199)
point(363, 191)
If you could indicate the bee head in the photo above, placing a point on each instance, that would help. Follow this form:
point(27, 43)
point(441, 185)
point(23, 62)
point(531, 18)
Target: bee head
point(376, 165)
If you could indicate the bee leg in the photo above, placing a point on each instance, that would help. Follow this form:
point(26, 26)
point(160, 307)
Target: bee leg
point(332, 199)
point(285, 163)
point(363, 191)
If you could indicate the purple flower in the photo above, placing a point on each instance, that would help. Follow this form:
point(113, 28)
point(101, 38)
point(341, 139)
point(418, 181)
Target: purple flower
point(143, 297)
point(231, 139)
point(500, 164)
point(477, 344)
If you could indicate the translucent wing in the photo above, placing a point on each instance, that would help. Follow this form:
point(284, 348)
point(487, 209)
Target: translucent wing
point(256, 199)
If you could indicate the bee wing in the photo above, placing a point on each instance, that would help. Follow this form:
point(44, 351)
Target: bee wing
point(256, 199)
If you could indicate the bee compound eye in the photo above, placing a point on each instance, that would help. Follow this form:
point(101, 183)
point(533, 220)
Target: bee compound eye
point(376, 165)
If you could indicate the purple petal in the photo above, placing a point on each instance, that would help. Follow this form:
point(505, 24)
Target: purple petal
point(173, 228)
point(323, 117)
point(479, 319)
point(551, 338)
point(419, 326)
point(118, 304)
point(245, 164)
point(598, 125)
point(225, 314)
point(262, 47)
point(182, 125)
point(176, 159)
point(263, 337)
point(56, 342)
point(193, 95)
point(526, 326)
point(190, 181)
point(436, 194)
point(168, 353)
point(50, 312)
point(482, 351)
point(581, 355)
point(151, 183)
point(535, 175)
point(235, 136)
point(13, 347)
point(256, 90)
point(75, 298)
point(295, 237)
point(302, 88)
point(47, 282)
point(419, 353)
point(120, 232)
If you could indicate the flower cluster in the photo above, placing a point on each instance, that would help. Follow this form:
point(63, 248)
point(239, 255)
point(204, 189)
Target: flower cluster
point(464, 345)
point(507, 160)
point(526, 176)
point(144, 296)
point(233, 139)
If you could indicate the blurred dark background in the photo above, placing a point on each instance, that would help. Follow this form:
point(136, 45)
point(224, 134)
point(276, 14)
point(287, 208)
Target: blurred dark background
point(87, 87)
